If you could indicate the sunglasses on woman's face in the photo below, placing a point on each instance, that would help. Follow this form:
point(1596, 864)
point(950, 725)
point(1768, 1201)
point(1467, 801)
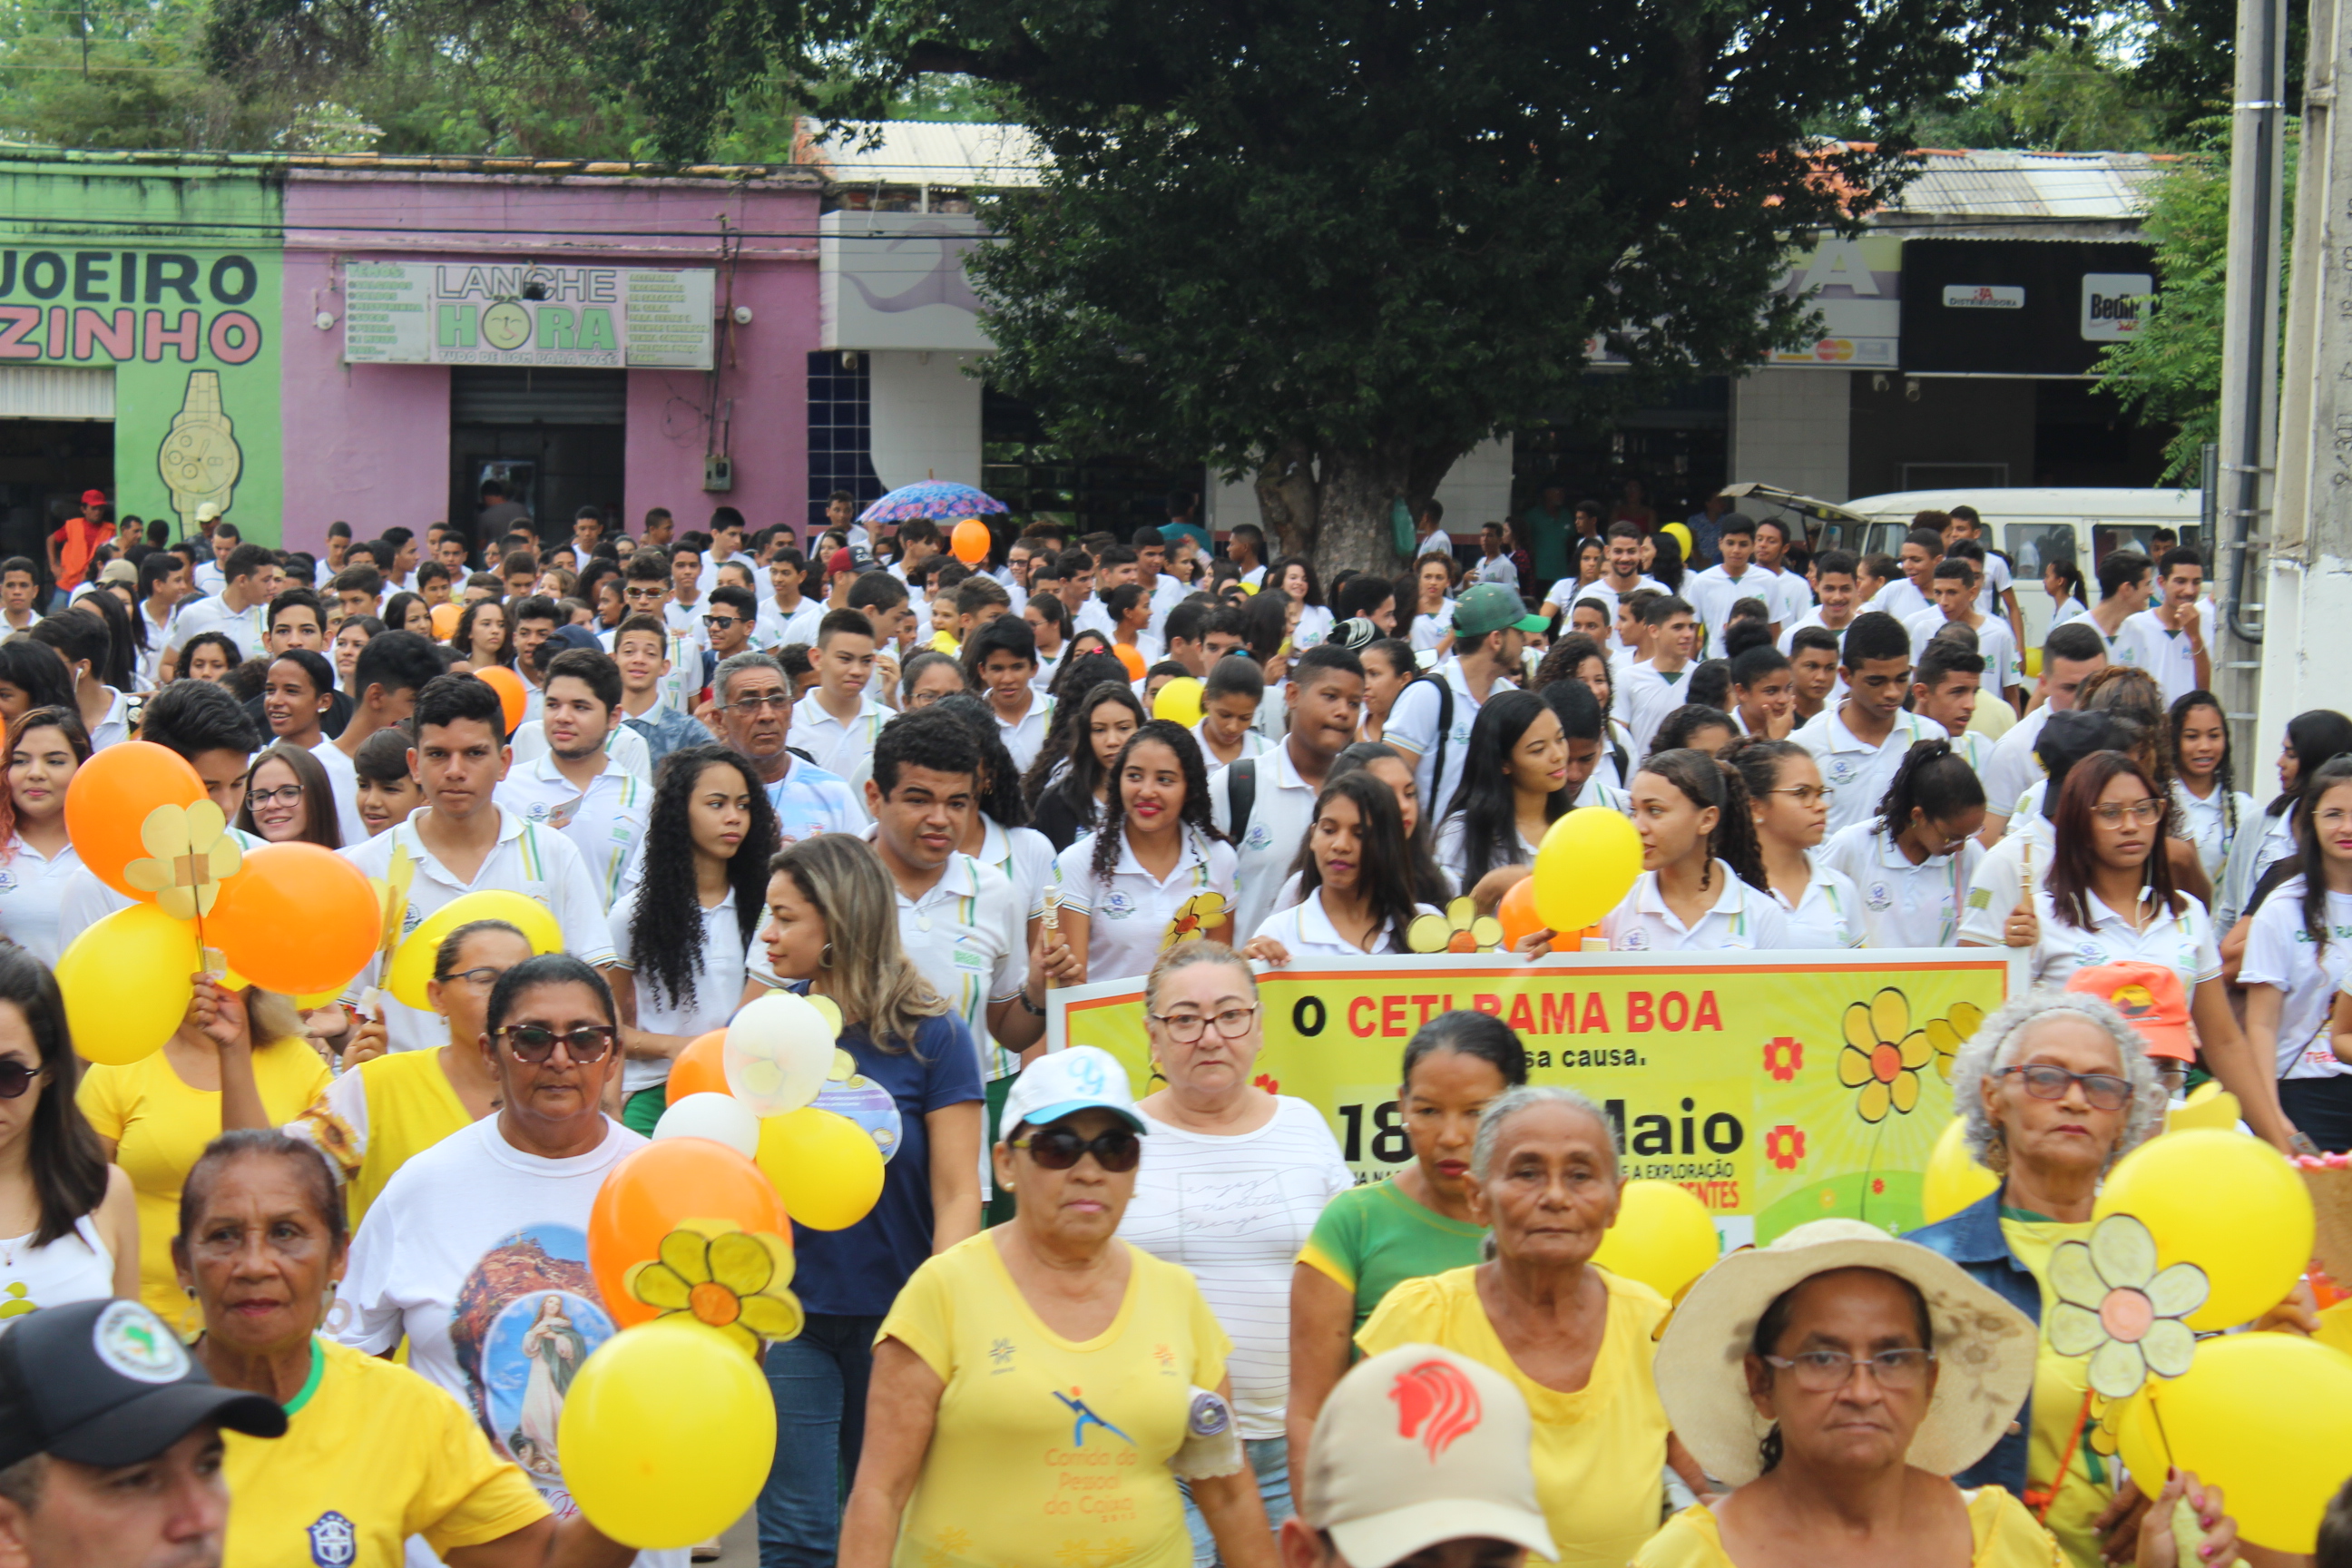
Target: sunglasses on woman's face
point(1058, 1149)
point(536, 1042)
point(17, 1076)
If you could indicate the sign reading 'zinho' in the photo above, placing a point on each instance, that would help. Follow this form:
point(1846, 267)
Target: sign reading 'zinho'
point(466, 313)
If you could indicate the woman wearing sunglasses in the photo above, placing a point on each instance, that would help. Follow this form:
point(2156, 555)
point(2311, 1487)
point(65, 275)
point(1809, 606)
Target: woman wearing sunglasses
point(68, 1221)
point(476, 1252)
point(1031, 1385)
point(914, 1082)
point(2052, 1088)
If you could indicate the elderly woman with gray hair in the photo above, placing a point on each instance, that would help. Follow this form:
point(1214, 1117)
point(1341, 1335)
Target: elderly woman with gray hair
point(2053, 1088)
point(1575, 1339)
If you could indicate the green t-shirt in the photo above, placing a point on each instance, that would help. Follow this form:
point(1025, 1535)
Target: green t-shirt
point(1372, 1238)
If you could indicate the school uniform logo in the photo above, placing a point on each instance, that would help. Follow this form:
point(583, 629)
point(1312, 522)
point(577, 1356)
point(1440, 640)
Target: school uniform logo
point(1119, 906)
point(1840, 770)
point(1260, 836)
point(1633, 941)
point(1879, 895)
point(334, 1542)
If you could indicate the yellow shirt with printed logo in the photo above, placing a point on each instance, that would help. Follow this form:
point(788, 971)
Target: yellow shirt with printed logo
point(373, 1455)
point(1048, 1449)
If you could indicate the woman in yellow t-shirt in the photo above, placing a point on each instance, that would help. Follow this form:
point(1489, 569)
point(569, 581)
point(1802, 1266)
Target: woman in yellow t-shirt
point(155, 1116)
point(1574, 1340)
point(385, 1110)
point(1032, 1384)
point(1868, 1370)
point(372, 1453)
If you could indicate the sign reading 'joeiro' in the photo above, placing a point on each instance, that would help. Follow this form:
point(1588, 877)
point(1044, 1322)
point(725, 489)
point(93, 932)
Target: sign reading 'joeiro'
point(452, 312)
point(1777, 1087)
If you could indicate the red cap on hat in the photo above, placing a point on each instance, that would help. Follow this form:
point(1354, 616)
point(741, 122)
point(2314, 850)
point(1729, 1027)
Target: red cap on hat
point(840, 561)
point(2150, 998)
point(93, 498)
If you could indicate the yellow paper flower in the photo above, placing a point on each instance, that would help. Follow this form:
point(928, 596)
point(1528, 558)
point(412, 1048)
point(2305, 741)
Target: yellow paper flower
point(2117, 1307)
point(392, 901)
point(1882, 1055)
point(1461, 928)
point(1950, 1032)
point(728, 1279)
point(189, 855)
point(1193, 918)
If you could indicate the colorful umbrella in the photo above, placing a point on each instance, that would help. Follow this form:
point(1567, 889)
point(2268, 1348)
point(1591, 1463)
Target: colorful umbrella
point(934, 498)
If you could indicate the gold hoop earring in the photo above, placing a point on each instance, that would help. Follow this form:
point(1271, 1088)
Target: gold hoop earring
point(825, 958)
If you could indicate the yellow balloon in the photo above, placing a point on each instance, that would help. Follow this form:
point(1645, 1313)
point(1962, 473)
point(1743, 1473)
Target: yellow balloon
point(2229, 1203)
point(1663, 1237)
point(1585, 866)
point(1682, 537)
point(2208, 1105)
point(412, 960)
point(826, 1168)
point(126, 984)
point(1179, 701)
point(667, 1435)
point(1953, 1180)
point(2265, 1417)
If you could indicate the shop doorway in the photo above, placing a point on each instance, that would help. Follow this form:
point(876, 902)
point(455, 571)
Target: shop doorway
point(556, 439)
point(56, 440)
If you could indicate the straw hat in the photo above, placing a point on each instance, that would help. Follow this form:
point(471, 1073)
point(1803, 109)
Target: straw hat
point(1985, 1348)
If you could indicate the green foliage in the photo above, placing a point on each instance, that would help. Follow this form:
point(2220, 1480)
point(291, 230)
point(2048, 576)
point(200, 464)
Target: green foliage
point(2073, 95)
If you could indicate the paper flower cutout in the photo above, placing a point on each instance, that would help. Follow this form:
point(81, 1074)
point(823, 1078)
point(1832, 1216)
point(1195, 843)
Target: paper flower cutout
point(391, 899)
point(1950, 1032)
point(189, 855)
point(1461, 928)
point(1193, 918)
point(1783, 1058)
point(1784, 1146)
point(731, 1281)
point(1882, 1055)
point(2117, 1307)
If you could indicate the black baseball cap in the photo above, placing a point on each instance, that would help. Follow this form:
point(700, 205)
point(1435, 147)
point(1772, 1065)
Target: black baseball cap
point(107, 1382)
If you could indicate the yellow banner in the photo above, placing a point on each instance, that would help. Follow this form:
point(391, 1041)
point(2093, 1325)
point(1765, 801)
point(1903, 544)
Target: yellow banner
point(1779, 1087)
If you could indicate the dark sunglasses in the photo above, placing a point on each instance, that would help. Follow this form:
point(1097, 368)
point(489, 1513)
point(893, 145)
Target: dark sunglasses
point(15, 1077)
point(1058, 1149)
point(536, 1042)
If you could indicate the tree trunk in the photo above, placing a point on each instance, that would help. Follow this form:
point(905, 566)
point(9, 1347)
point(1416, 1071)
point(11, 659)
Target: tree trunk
point(1358, 486)
point(1287, 500)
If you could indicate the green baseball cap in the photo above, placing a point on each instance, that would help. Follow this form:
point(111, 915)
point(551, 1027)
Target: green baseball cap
point(1491, 607)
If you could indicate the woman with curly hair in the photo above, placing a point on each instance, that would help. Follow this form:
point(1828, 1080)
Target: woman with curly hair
point(1099, 723)
point(485, 636)
point(685, 915)
point(1158, 873)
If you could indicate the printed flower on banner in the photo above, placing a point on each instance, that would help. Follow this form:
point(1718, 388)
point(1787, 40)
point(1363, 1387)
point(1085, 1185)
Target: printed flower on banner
point(1461, 928)
point(1784, 1146)
point(189, 855)
point(1882, 1055)
point(1950, 1032)
point(2117, 1307)
point(1784, 1059)
point(1268, 1082)
point(1193, 918)
point(733, 1281)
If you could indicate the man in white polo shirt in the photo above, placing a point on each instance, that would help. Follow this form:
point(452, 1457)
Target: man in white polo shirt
point(250, 578)
point(1859, 742)
point(1002, 659)
point(1323, 701)
point(2071, 655)
point(574, 786)
point(2171, 638)
point(1431, 719)
point(837, 720)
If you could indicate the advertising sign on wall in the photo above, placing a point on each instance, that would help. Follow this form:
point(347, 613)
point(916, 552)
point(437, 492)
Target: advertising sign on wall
point(2019, 307)
point(458, 312)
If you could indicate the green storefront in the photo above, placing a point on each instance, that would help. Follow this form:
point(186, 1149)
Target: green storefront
point(140, 313)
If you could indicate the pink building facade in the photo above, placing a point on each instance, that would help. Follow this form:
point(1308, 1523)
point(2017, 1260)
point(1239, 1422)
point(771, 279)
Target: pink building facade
point(383, 444)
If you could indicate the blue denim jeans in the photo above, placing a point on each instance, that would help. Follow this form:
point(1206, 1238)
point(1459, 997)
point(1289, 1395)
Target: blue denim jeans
point(1269, 1457)
point(819, 1383)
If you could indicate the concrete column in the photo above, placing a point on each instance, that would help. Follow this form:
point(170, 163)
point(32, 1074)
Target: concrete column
point(925, 416)
point(1793, 428)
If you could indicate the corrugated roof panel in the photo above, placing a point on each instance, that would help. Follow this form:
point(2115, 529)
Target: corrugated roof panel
point(56, 392)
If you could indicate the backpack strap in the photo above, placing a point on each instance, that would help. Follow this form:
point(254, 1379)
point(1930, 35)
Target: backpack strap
point(1240, 794)
point(1437, 754)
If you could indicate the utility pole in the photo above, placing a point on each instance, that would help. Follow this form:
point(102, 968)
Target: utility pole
point(2245, 485)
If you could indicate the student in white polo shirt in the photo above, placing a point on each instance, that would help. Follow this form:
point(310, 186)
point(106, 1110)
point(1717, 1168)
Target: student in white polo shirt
point(837, 720)
point(999, 661)
point(1263, 805)
point(1713, 592)
point(1357, 884)
point(2172, 639)
point(1430, 722)
point(684, 923)
point(1156, 874)
point(576, 787)
point(2071, 655)
point(753, 699)
point(1860, 742)
point(235, 610)
point(1702, 887)
point(1914, 859)
point(460, 841)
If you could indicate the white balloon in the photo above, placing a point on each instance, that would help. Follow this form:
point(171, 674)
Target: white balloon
point(778, 1052)
point(722, 1118)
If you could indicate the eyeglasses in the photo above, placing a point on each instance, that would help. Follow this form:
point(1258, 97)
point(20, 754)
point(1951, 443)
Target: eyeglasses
point(1826, 1372)
point(536, 1042)
point(2104, 1090)
point(1186, 1027)
point(720, 623)
point(768, 702)
point(481, 979)
point(647, 594)
point(2143, 813)
point(1807, 794)
point(1059, 1149)
point(15, 1077)
point(290, 793)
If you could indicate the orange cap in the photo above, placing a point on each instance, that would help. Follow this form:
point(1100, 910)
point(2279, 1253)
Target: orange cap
point(2151, 1000)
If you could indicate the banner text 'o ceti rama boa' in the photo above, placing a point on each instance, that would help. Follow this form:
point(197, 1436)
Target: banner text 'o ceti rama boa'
point(1779, 1087)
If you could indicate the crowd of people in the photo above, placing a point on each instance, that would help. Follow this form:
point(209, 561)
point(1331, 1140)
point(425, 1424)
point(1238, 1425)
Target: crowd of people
point(1080, 1327)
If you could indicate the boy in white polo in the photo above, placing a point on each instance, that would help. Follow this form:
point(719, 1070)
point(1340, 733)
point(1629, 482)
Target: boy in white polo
point(1859, 742)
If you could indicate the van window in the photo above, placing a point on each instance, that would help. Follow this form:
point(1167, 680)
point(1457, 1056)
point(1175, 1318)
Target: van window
point(2108, 537)
point(2034, 545)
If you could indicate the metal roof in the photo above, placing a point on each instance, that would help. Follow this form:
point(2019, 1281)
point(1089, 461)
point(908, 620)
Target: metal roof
point(2083, 186)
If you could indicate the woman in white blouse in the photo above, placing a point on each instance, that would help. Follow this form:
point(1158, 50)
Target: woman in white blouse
point(36, 858)
point(1702, 885)
point(1355, 877)
point(1790, 807)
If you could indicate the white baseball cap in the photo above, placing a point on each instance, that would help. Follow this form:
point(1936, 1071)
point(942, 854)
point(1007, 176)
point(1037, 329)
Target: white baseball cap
point(208, 512)
point(1062, 1083)
point(1418, 1446)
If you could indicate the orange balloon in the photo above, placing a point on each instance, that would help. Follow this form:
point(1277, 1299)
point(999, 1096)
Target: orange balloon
point(969, 541)
point(1130, 655)
point(509, 686)
point(297, 918)
point(110, 799)
point(446, 618)
point(651, 1192)
point(1520, 919)
point(699, 1069)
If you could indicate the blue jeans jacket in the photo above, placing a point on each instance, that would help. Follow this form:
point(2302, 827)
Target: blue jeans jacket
point(1972, 1239)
